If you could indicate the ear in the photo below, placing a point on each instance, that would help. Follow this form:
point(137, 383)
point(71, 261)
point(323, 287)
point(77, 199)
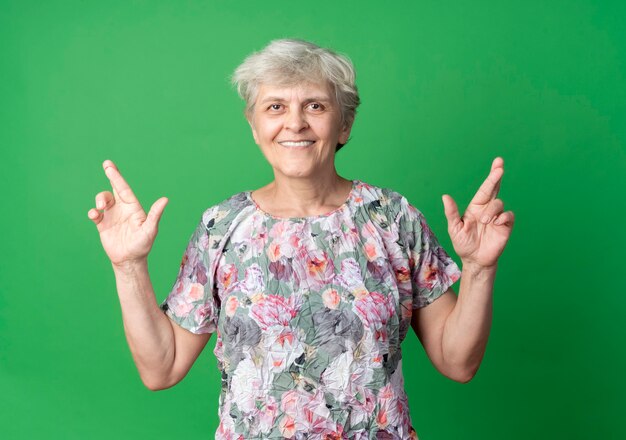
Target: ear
point(344, 134)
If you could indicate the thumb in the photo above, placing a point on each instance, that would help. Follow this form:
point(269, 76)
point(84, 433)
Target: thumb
point(154, 215)
point(451, 210)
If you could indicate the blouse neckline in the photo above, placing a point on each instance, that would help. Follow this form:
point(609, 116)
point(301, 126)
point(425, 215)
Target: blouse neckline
point(341, 208)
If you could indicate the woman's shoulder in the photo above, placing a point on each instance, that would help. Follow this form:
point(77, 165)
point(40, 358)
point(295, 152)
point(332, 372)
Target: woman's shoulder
point(222, 214)
point(387, 199)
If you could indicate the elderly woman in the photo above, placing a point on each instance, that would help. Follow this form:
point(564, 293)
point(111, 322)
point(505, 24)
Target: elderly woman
point(312, 281)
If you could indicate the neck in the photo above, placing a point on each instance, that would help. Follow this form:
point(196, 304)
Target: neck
point(303, 196)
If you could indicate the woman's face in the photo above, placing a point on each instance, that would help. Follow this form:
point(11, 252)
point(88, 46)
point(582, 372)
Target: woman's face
point(298, 129)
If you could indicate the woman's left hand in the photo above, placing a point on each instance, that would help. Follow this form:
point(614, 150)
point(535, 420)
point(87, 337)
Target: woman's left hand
point(479, 237)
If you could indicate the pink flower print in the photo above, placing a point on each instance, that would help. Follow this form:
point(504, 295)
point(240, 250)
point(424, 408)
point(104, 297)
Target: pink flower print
point(226, 276)
point(195, 292)
point(258, 240)
point(315, 269)
point(266, 413)
point(273, 251)
point(336, 434)
point(286, 238)
point(183, 309)
point(381, 334)
point(293, 242)
point(258, 236)
point(316, 415)
point(283, 231)
point(289, 403)
point(206, 312)
point(307, 412)
point(390, 408)
point(287, 426)
point(372, 250)
point(318, 265)
point(280, 229)
point(226, 428)
point(331, 298)
point(330, 223)
point(274, 310)
point(362, 404)
point(231, 306)
point(360, 292)
point(192, 265)
point(403, 274)
point(179, 287)
point(358, 200)
point(253, 281)
point(381, 418)
point(375, 310)
point(372, 240)
point(434, 270)
point(377, 360)
point(282, 347)
point(428, 276)
point(369, 231)
point(406, 308)
point(350, 275)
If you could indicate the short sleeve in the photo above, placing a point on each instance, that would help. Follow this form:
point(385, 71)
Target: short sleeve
point(432, 270)
point(193, 302)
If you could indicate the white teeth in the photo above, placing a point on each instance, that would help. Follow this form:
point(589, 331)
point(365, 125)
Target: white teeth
point(296, 144)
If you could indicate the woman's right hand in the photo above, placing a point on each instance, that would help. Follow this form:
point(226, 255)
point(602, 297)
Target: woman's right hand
point(126, 232)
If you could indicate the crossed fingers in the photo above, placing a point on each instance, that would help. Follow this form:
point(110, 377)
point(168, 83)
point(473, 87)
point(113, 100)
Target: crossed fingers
point(121, 189)
point(491, 186)
point(105, 200)
point(485, 198)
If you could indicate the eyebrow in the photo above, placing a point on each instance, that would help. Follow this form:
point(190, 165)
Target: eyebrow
point(307, 100)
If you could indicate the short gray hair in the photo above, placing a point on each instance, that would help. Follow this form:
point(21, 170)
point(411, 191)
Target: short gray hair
point(288, 62)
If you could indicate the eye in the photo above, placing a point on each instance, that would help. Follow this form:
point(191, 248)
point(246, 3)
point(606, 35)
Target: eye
point(316, 106)
point(275, 107)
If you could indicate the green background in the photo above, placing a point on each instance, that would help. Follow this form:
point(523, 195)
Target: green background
point(445, 89)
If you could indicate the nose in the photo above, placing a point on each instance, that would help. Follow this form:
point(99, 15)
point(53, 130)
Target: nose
point(295, 120)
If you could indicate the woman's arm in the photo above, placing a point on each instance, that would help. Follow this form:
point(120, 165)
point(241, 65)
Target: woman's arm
point(454, 331)
point(162, 350)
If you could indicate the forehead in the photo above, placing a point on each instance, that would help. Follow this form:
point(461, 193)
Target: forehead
point(300, 92)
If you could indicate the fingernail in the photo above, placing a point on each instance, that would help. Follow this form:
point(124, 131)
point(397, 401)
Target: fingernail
point(485, 219)
point(100, 205)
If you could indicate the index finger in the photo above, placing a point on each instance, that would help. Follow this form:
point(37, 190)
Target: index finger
point(491, 186)
point(121, 189)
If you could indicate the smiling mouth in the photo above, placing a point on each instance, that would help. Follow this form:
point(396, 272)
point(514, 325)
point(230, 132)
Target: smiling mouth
point(296, 144)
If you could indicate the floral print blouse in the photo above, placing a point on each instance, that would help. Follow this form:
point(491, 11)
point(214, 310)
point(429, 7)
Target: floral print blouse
point(310, 313)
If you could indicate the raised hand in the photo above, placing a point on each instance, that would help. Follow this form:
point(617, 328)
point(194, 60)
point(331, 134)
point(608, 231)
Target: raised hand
point(479, 237)
point(126, 232)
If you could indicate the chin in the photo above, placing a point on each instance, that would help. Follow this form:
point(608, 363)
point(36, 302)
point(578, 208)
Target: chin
point(297, 171)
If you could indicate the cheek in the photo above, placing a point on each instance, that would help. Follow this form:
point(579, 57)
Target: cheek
point(269, 131)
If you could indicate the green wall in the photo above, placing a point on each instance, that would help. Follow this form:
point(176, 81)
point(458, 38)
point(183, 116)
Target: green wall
point(445, 89)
